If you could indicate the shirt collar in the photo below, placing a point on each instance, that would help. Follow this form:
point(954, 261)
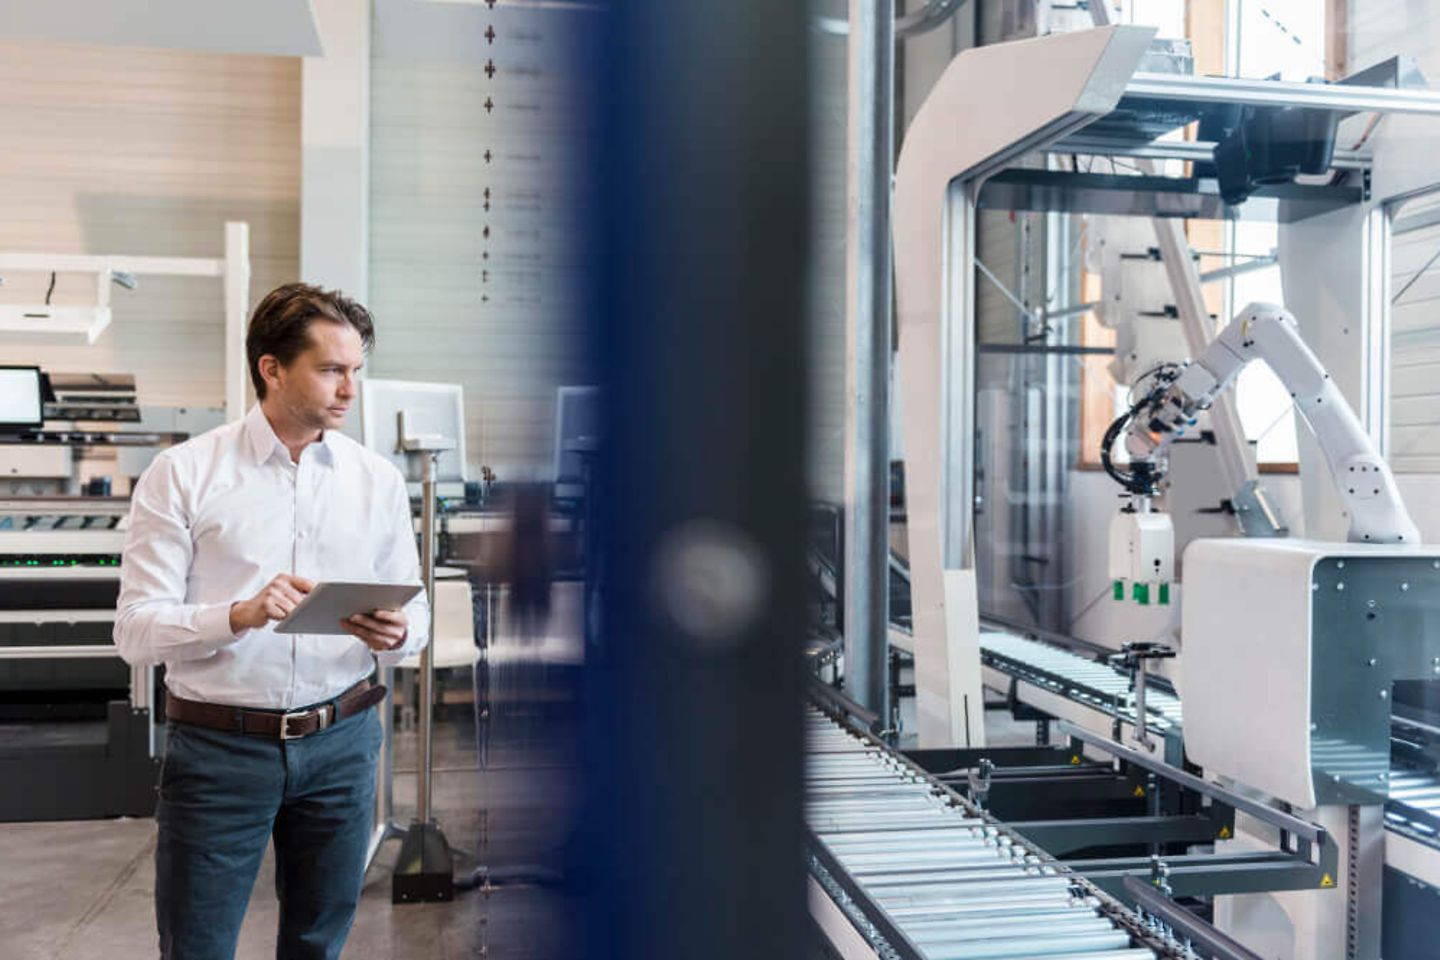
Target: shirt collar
point(264, 444)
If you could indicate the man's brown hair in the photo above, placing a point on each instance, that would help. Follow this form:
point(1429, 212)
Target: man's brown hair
point(280, 325)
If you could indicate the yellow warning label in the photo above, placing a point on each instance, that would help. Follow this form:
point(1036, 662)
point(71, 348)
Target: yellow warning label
point(1075, 761)
point(1139, 792)
point(1327, 881)
point(1224, 833)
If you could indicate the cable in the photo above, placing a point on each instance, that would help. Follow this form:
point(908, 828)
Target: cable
point(1143, 479)
point(51, 289)
point(1111, 435)
point(1162, 367)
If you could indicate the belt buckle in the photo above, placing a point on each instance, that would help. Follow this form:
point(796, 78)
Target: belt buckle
point(285, 719)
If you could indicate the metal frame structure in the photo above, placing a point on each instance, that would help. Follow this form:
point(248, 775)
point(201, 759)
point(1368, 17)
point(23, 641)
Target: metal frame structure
point(232, 269)
point(1066, 806)
point(945, 177)
point(1311, 864)
point(868, 297)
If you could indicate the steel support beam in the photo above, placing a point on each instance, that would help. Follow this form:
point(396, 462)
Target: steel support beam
point(868, 337)
point(1208, 875)
point(1061, 837)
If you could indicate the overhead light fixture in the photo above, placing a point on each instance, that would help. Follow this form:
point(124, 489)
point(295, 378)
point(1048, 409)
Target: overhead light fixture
point(47, 321)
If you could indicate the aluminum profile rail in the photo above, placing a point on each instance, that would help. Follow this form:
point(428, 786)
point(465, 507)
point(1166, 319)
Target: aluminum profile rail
point(924, 875)
point(1280, 93)
point(1091, 683)
point(1303, 829)
point(1196, 151)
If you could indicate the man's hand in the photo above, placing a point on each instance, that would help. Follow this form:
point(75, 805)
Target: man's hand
point(274, 602)
point(380, 631)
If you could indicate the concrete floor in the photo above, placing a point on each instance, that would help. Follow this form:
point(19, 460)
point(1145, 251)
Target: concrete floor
point(83, 890)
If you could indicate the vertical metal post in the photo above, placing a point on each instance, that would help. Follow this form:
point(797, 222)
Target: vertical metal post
point(868, 296)
point(957, 347)
point(426, 706)
point(1142, 732)
point(237, 301)
point(424, 871)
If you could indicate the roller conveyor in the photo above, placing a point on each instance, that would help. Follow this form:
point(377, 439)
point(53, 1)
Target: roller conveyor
point(1076, 678)
point(955, 884)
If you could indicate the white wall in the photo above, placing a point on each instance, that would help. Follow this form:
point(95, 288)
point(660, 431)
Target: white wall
point(1421, 492)
point(429, 133)
point(335, 138)
point(147, 152)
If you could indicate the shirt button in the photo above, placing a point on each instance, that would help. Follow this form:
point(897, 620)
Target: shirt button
point(301, 534)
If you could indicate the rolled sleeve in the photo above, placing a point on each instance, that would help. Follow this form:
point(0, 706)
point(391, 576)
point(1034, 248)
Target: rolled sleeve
point(153, 623)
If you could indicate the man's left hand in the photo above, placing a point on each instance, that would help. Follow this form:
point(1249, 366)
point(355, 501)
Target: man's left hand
point(380, 631)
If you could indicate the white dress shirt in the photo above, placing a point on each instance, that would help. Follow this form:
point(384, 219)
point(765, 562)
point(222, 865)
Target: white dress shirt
point(216, 518)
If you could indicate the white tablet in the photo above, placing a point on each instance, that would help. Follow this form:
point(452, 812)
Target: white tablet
point(332, 601)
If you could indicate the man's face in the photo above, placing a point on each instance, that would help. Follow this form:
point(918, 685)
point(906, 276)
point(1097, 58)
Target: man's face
point(318, 386)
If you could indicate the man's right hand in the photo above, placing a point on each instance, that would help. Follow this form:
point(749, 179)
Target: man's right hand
point(274, 602)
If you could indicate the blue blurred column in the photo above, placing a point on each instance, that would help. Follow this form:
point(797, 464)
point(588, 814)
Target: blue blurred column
point(691, 842)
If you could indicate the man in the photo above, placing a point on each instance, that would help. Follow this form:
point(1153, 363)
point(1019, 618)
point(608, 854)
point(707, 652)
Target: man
point(268, 734)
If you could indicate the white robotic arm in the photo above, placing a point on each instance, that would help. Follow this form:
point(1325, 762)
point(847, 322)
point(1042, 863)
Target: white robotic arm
point(1269, 333)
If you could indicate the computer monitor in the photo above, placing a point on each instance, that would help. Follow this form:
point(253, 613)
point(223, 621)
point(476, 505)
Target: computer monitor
point(22, 406)
point(430, 408)
point(577, 416)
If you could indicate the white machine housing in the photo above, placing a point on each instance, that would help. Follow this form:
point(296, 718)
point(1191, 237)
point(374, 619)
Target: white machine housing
point(1142, 554)
point(1313, 636)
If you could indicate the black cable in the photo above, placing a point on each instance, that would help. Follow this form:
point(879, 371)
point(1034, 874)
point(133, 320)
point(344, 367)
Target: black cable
point(51, 289)
point(1138, 482)
point(1111, 435)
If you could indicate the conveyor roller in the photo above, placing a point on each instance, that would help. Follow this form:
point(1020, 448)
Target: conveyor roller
point(957, 885)
point(1075, 677)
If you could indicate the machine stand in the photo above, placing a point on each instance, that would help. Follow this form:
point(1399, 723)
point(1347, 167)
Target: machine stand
point(424, 873)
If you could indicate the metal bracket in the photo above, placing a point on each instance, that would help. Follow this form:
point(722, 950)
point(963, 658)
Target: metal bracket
point(921, 21)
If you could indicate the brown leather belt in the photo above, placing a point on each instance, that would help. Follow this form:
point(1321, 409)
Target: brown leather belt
point(276, 724)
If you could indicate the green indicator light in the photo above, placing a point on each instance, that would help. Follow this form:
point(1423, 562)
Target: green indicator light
point(1164, 594)
point(1142, 594)
point(1119, 590)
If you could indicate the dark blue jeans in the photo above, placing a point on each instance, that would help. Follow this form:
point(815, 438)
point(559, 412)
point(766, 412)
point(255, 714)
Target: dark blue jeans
point(223, 796)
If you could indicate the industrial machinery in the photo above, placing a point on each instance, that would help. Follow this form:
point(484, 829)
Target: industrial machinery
point(1257, 789)
point(1172, 396)
point(949, 853)
point(77, 726)
point(1325, 631)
